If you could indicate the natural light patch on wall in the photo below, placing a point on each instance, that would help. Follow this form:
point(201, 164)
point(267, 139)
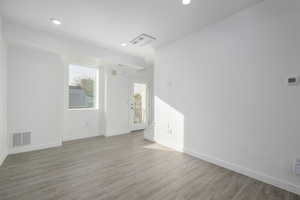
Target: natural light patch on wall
point(169, 125)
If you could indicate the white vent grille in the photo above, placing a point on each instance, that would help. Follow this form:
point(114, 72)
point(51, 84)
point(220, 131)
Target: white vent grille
point(21, 139)
point(17, 139)
point(142, 40)
point(297, 167)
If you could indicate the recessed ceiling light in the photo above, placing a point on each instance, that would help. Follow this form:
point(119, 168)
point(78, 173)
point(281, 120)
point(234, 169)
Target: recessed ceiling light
point(124, 44)
point(186, 2)
point(55, 21)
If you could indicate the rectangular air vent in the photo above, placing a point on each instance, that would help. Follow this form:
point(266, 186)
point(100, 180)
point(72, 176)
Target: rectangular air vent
point(142, 40)
point(297, 167)
point(17, 139)
point(21, 139)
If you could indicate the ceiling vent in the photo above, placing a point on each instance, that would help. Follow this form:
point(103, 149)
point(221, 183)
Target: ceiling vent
point(142, 40)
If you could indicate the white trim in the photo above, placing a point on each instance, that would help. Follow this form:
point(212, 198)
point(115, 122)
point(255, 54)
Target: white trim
point(33, 148)
point(169, 145)
point(66, 139)
point(147, 137)
point(116, 132)
point(149, 133)
point(143, 125)
point(2, 158)
point(83, 109)
point(96, 89)
point(245, 171)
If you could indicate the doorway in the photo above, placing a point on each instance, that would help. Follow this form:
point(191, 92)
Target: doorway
point(138, 106)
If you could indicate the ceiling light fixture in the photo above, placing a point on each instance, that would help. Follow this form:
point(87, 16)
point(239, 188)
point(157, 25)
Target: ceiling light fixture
point(55, 21)
point(186, 2)
point(124, 44)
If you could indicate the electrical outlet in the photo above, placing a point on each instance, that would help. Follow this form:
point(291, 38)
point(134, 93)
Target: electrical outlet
point(293, 81)
point(170, 131)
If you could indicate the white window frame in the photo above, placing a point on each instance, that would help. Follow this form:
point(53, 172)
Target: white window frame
point(96, 98)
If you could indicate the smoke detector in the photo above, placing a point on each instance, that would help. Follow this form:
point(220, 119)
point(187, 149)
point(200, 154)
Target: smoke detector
point(142, 40)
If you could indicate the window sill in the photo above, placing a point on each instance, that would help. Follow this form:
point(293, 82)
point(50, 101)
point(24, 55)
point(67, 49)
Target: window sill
point(83, 109)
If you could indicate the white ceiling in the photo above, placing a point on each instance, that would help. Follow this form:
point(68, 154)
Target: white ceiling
point(112, 22)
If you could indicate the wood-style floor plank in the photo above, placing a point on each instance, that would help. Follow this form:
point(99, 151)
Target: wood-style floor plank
point(124, 168)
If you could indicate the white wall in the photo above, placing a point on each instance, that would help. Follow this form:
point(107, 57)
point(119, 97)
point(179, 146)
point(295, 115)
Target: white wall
point(75, 124)
point(222, 95)
point(117, 103)
point(55, 122)
point(117, 97)
point(3, 117)
point(35, 96)
point(112, 117)
point(83, 123)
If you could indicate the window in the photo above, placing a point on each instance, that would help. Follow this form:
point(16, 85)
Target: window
point(83, 83)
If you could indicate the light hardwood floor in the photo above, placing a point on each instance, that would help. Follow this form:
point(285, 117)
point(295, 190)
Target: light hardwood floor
point(124, 168)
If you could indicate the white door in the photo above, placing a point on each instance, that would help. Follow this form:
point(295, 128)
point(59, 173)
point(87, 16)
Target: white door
point(138, 106)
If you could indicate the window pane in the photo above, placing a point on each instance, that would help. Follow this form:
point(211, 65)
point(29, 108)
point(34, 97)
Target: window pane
point(82, 87)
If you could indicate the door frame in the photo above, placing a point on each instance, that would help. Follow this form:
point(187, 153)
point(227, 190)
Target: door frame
point(142, 126)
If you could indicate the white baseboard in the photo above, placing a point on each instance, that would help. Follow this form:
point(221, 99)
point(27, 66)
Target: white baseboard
point(169, 145)
point(149, 133)
point(248, 172)
point(33, 148)
point(79, 137)
point(2, 158)
point(116, 132)
point(148, 138)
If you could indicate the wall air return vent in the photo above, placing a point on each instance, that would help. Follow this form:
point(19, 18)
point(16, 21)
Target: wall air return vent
point(21, 139)
point(142, 40)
